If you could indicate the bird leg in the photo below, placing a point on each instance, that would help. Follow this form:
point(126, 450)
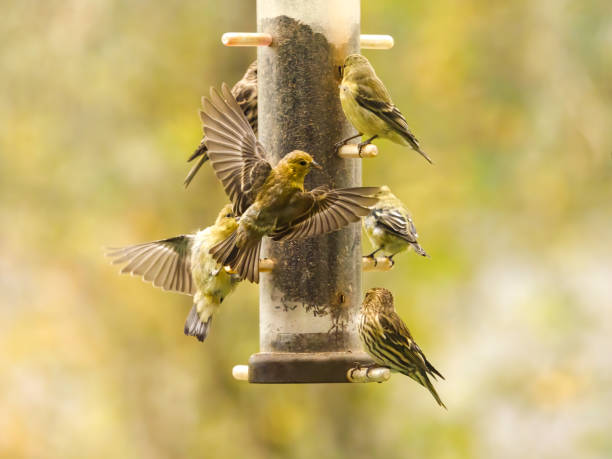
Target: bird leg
point(360, 145)
point(337, 145)
point(372, 255)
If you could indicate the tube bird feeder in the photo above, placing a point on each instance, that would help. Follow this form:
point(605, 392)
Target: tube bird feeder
point(310, 291)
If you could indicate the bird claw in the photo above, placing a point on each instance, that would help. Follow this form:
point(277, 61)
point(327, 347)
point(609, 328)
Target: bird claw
point(339, 145)
point(392, 261)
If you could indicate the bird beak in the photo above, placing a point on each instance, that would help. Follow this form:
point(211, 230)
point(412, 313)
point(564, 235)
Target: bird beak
point(316, 164)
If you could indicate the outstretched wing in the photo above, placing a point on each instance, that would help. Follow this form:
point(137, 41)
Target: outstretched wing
point(235, 154)
point(165, 263)
point(326, 210)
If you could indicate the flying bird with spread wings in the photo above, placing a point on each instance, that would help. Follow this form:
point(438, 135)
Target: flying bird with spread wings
point(368, 106)
point(245, 92)
point(270, 200)
point(183, 264)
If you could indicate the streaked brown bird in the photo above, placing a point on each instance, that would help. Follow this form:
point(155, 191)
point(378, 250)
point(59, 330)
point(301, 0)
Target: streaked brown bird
point(271, 201)
point(183, 264)
point(245, 92)
point(389, 342)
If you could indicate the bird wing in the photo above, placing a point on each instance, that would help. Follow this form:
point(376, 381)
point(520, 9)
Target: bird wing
point(396, 223)
point(374, 97)
point(235, 154)
point(397, 336)
point(324, 210)
point(165, 263)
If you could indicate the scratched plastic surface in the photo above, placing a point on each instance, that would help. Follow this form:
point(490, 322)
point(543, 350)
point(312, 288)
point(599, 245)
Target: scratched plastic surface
point(309, 303)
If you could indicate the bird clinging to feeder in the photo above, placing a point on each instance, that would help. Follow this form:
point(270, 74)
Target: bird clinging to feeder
point(270, 201)
point(368, 106)
point(388, 341)
point(389, 226)
point(183, 264)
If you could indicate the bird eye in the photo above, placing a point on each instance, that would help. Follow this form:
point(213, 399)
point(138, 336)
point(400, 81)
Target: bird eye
point(302, 163)
point(228, 216)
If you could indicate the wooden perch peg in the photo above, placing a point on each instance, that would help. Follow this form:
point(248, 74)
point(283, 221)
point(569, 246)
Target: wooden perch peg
point(376, 41)
point(240, 372)
point(265, 266)
point(351, 150)
point(368, 374)
point(376, 264)
point(265, 39)
point(246, 39)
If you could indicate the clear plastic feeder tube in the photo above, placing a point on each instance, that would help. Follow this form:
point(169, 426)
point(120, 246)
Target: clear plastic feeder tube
point(310, 301)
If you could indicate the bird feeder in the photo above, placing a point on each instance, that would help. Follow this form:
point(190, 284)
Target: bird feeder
point(310, 289)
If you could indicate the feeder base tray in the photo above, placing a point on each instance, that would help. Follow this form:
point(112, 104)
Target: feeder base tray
point(297, 368)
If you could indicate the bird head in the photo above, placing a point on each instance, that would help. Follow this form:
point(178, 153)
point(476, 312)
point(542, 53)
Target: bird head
point(226, 218)
point(297, 164)
point(378, 298)
point(355, 64)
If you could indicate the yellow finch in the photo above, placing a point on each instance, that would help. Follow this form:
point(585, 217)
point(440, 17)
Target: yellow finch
point(271, 201)
point(183, 264)
point(368, 106)
point(389, 342)
point(245, 92)
point(389, 226)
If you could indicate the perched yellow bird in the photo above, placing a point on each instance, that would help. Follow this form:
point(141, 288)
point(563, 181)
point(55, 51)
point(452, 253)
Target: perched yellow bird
point(245, 92)
point(389, 342)
point(183, 264)
point(271, 201)
point(389, 226)
point(368, 106)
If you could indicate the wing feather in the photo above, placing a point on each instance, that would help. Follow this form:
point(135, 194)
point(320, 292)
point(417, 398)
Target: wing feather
point(235, 154)
point(329, 210)
point(166, 263)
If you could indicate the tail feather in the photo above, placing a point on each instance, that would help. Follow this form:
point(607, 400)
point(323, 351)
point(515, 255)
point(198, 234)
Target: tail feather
point(194, 326)
point(202, 153)
point(247, 263)
point(243, 260)
point(432, 370)
point(418, 249)
point(414, 143)
point(421, 377)
point(433, 392)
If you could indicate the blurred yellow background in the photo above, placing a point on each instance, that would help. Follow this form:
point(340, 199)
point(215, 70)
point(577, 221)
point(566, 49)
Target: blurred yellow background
point(512, 100)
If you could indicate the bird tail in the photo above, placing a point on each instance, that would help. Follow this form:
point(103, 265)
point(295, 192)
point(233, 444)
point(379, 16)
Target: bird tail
point(418, 249)
point(414, 143)
point(421, 378)
point(202, 153)
point(243, 260)
point(432, 370)
point(195, 326)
